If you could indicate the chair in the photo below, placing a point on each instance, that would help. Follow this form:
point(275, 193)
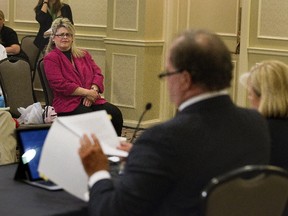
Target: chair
point(254, 190)
point(32, 51)
point(16, 83)
point(48, 94)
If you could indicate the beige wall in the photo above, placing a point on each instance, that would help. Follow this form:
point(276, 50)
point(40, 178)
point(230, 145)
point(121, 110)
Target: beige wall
point(129, 38)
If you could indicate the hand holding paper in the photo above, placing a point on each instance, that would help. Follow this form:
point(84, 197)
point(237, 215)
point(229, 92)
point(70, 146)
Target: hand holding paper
point(60, 160)
point(92, 156)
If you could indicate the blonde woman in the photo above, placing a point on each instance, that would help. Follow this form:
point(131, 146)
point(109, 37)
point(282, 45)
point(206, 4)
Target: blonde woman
point(75, 79)
point(46, 12)
point(267, 85)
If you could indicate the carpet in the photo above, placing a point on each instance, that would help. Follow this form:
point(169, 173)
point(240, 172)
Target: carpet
point(129, 131)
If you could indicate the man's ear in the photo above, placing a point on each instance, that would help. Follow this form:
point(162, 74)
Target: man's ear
point(186, 80)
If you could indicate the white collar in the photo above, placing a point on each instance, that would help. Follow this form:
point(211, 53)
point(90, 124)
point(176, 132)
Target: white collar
point(201, 97)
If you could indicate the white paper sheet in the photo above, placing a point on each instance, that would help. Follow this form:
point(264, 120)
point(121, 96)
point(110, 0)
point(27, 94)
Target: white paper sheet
point(60, 161)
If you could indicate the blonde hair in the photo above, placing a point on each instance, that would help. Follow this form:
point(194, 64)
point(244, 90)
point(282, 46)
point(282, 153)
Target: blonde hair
point(2, 15)
point(64, 22)
point(269, 81)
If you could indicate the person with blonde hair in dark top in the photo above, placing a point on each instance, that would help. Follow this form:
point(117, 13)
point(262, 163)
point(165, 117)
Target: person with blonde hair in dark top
point(267, 84)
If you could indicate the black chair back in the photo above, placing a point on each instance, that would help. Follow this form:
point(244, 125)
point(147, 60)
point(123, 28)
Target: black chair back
point(48, 94)
point(32, 51)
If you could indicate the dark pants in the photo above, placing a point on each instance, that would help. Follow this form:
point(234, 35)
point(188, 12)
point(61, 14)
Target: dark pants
point(117, 119)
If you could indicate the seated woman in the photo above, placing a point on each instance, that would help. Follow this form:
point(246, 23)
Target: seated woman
point(75, 79)
point(267, 85)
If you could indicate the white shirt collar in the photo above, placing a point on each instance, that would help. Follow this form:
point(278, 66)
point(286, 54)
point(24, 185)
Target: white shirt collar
point(201, 97)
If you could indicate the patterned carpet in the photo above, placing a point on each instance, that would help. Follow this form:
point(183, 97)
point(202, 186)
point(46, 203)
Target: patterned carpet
point(129, 131)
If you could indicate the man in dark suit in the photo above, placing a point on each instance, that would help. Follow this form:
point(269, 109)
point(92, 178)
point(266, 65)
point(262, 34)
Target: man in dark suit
point(169, 164)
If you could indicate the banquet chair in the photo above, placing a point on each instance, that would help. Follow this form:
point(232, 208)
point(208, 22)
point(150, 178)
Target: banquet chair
point(253, 190)
point(32, 51)
point(48, 94)
point(16, 83)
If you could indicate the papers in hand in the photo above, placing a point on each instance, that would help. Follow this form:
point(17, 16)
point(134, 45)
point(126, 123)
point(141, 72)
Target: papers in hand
point(60, 161)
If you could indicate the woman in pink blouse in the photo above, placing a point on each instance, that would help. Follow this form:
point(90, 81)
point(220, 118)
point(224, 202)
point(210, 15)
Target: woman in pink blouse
point(75, 79)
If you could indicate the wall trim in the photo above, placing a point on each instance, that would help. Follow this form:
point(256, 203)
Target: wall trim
point(273, 38)
point(265, 51)
point(227, 34)
point(26, 32)
point(25, 21)
point(139, 43)
point(89, 37)
point(89, 25)
point(95, 49)
point(144, 124)
point(78, 36)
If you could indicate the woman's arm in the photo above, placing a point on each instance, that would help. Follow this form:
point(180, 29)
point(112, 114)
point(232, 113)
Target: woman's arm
point(44, 7)
point(90, 94)
point(67, 13)
point(42, 15)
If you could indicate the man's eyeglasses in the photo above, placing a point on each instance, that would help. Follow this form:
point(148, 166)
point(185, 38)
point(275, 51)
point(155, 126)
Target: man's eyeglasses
point(62, 35)
point(168, 73)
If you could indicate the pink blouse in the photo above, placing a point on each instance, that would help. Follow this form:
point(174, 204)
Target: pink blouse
point(64, 78)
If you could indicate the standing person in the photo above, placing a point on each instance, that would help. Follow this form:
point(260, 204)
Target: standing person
point(74, 77)
point(46, 12)
point(170, 164)
point(9, 39)
point(268, 93)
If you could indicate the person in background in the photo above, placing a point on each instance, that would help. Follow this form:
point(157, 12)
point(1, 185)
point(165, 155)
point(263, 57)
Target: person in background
point(74, 77)
point(170, 163)
point(3, 52)
point(3, 55)
point(267, 86)
point(46, 12)
point(8, 141)
point(9, 39)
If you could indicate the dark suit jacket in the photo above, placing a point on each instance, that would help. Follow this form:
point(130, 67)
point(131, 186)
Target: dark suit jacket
point(171, 163)
point(45, 21)
point(279, 141)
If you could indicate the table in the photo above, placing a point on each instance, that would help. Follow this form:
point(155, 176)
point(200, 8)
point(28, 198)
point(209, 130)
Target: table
point(20, 199)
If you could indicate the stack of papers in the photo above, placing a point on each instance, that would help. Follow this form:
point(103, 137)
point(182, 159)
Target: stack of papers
point(60, 161)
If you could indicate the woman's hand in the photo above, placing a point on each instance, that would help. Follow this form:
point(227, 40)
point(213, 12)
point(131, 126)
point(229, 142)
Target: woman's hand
point(87, 102)
point(92, 95)
point(89, 95)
